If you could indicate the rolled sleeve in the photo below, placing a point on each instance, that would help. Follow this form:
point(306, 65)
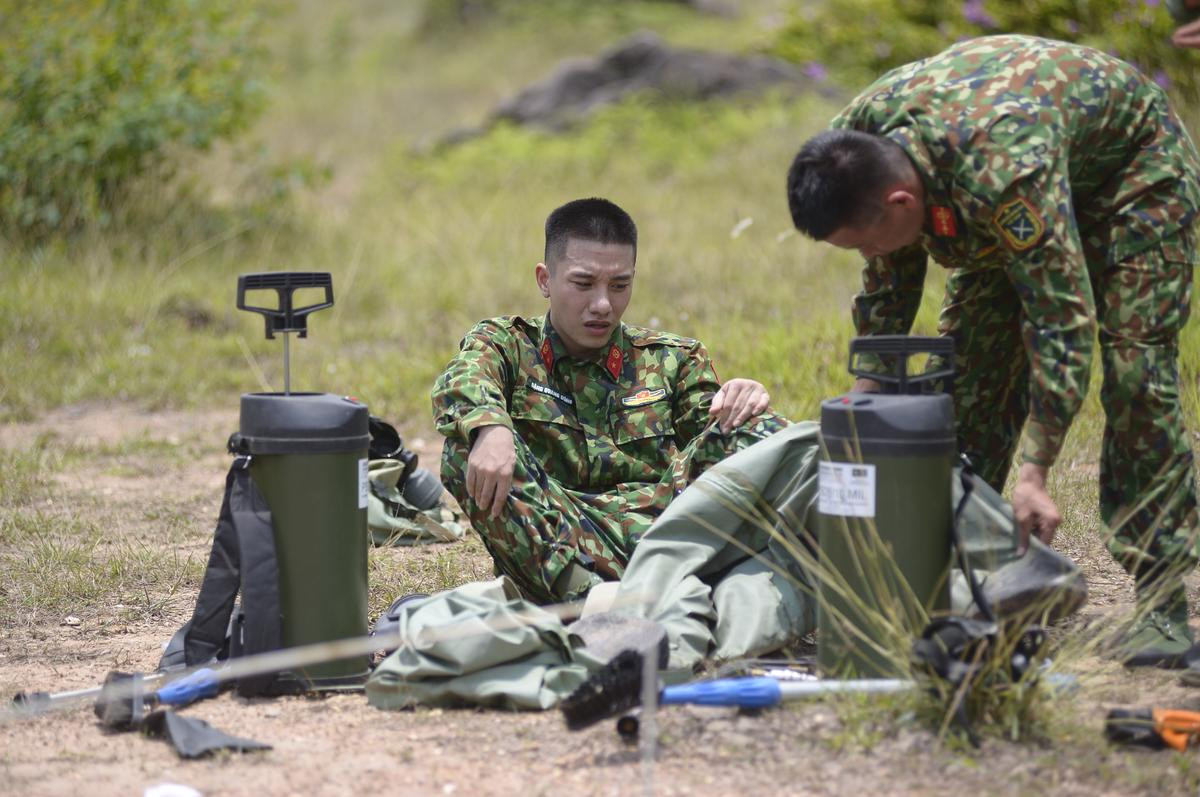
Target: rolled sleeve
point(473, 390)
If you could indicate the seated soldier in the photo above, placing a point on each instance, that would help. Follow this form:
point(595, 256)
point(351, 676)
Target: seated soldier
point(566, 436)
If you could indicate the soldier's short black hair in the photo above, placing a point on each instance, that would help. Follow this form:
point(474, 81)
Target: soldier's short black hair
point(593, 219)
point(837, 180)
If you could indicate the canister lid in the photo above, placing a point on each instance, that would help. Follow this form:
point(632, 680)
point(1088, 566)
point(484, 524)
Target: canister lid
point(274, 423)
point(886, 423)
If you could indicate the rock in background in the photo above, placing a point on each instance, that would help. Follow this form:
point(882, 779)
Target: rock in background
point(643, 63)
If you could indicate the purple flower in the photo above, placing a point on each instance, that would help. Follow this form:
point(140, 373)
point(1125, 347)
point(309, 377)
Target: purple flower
point(816, 70)
point(974, 12)
point(1160, 77)
point(1072, 27)
point(1151, 3)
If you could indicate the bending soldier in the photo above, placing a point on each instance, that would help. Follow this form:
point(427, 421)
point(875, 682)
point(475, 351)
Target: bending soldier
point(566, 436)
point(1059, 187)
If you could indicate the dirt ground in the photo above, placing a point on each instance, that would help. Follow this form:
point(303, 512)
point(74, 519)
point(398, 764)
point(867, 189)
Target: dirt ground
point(126, 460)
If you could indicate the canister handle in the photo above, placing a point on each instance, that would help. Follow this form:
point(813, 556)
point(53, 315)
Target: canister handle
point(284, 317)
point(899, 348)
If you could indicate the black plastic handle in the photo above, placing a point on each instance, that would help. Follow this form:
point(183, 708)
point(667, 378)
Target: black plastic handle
point(284, 317)
point(900, 348)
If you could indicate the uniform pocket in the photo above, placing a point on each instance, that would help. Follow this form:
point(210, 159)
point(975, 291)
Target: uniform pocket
point(539, 407)
point(1147, 295)
point(641, 423)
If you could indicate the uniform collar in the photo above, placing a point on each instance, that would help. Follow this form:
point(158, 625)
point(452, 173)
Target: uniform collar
point(611, 359)
point(943, 221)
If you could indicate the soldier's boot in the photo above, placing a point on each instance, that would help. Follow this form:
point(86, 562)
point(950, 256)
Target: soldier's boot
point(1161, 637)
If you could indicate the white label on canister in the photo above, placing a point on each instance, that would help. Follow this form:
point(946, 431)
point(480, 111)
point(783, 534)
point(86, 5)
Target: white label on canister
point(847, 489)
point(363, 485)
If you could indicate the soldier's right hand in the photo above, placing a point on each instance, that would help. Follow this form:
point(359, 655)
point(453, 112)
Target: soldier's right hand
point(1187, 35)
point(864, 385)
point(490, 468)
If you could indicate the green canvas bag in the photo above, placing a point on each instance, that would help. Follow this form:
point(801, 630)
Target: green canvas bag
point(392, 520)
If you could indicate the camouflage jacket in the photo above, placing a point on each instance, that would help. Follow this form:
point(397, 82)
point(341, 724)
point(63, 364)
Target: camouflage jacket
point(593, 423)
point(1038, 158)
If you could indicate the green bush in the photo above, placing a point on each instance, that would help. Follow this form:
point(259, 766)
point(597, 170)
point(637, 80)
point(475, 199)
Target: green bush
point(854, 41)
point(95, 93)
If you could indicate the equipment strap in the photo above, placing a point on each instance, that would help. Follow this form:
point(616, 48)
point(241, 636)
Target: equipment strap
point(981, 602)
point(243, 557)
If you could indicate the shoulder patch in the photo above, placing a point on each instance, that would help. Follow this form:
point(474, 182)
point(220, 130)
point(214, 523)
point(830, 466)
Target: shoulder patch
point(642, 337)
point(1018, 224)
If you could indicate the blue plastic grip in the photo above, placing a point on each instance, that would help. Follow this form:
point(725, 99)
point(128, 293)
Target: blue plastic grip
point(741, 692)
point(192, 687)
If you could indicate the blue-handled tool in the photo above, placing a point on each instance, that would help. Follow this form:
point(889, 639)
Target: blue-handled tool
point(123, 701)
point(760, 692)
point(195, 686)
point(617, 688)
point(125, 698)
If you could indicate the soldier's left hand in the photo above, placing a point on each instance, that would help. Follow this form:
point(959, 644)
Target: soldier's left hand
point(1033, 508)
point(738, 401)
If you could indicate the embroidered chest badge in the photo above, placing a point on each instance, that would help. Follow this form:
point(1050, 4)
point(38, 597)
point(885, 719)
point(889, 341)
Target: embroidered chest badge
point(547, 353)
point(644, 397)
point(613, 363)
point(944, 224)
point(1018, 224)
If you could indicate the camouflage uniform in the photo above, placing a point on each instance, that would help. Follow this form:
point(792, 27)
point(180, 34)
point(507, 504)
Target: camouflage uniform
point(602, 445)
point(1061, 191)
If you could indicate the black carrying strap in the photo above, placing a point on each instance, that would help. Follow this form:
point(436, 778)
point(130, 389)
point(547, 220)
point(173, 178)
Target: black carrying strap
point(242, 557)
point(981, 601)
point(953, 647)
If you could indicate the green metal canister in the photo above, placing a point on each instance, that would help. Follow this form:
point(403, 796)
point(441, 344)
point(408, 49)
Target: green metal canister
point(884, 509)
point(309, 459)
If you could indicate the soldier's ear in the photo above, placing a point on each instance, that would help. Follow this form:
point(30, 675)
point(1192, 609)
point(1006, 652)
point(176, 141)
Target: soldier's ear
point(541, 273)
point(900, 196)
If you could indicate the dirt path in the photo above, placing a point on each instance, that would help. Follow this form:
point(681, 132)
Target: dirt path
point(148, 485)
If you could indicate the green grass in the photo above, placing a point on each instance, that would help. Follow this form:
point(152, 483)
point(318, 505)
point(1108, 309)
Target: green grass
point(23, 472)
point(51, 568)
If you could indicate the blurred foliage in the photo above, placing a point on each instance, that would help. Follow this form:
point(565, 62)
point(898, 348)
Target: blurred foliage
point(95, 93)
point(448, 15)
point(854, 41)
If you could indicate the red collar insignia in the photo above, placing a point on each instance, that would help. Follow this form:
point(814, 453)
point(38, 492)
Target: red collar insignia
point(547, 354)
point(613, 363)
point(944, 224)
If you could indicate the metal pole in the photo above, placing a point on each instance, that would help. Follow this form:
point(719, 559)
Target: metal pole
point(287, 365)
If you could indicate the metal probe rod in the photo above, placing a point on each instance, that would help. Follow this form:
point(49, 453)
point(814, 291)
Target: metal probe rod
point(287, 364)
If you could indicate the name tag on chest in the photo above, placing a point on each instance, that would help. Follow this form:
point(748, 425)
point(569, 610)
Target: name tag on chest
point(546, 390)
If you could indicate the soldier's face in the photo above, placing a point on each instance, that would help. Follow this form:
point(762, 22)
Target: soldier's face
point(589, 289)
point(898, 225)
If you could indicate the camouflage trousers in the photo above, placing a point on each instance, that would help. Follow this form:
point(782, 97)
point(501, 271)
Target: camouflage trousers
point(1147, 484)
point(544, 526)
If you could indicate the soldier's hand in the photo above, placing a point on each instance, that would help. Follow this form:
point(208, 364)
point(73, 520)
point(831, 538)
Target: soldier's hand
point(1033, 508)
point(490, 468)
point(738, 401)
point(1187, 35)
point(864, 385)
